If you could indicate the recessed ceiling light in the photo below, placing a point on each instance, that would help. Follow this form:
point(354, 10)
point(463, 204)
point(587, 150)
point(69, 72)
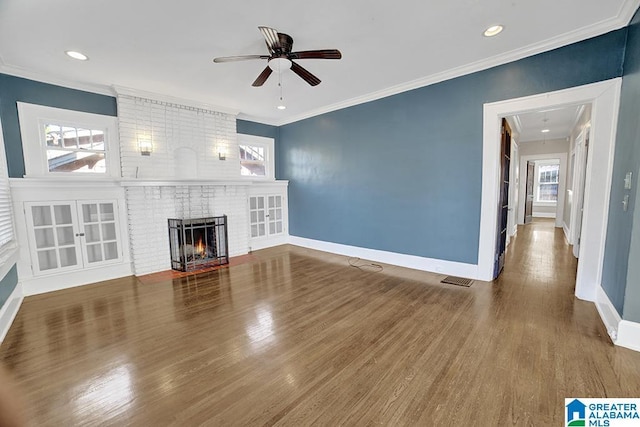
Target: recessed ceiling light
point(76, 55)
point(545, 130)
point(493, 30)
point(282, 107)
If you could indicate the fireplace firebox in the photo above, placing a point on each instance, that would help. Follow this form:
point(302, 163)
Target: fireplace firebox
point(198, 243)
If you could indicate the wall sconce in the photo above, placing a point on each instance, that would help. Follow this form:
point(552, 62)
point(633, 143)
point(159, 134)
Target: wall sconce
point(222, 153)
point(146, 146)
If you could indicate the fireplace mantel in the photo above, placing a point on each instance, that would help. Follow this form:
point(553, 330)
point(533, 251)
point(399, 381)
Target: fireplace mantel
point(189, 182)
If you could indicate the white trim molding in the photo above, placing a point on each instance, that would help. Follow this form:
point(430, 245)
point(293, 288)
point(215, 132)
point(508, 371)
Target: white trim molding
point(608, 314)
point(623, 18)
point(629, 335)
point(402, 260)
point(605, 98)
point(623, 333)
point(9, 310)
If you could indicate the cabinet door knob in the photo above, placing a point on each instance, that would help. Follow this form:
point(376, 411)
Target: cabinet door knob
point(79, 234)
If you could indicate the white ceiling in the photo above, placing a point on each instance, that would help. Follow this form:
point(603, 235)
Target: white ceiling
point(166, 47)
point(559, 121)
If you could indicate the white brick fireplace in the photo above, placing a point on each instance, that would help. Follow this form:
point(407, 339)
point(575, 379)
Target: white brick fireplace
point(192, 170)
point(184, 177)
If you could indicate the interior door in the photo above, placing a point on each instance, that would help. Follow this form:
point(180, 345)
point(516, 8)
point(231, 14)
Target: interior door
point(528, 199)
point(503, 202)
point(580, 174)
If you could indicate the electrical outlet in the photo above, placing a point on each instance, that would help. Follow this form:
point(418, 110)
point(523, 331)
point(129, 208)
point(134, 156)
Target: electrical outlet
point(625, 202)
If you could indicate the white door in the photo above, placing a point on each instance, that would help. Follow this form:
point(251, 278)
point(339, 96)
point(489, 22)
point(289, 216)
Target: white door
point(54, 237)
point(99, 225)
point(579, 177)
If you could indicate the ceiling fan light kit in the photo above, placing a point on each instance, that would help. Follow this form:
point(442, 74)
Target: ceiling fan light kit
point(281, 57)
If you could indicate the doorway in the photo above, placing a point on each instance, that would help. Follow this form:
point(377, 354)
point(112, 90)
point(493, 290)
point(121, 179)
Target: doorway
point(605, 98)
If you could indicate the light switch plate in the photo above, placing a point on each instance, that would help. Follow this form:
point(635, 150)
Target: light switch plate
point(625, 202)
point(627, 181)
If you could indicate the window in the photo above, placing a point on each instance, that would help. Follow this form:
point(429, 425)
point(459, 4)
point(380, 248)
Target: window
point(256, 157)
point(252, 161)
point(68, 143)
point(548, 178)
point(72, 149)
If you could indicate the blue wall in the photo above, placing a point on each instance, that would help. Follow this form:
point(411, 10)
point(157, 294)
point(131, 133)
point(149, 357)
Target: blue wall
point(257, 129)
point(615, 278)
point(13, 89)
point(403, 173)
point(8, 284)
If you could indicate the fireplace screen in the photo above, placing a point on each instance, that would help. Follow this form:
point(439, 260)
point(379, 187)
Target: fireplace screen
point(198, 243)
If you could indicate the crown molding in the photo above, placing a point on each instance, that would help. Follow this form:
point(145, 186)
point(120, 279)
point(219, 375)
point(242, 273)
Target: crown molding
point(625, 15)
point(627, 10)
point(54, 80)
point(126, 91)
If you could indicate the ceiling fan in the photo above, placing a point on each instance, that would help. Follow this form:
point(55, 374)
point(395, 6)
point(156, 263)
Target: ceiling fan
point(281, 57)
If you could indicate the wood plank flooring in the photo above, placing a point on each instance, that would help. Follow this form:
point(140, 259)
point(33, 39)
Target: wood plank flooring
point(298, 337)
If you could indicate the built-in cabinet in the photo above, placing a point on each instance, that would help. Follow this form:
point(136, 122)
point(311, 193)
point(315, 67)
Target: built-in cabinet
point(68, 235)
point(265, 215)
point(268, 224)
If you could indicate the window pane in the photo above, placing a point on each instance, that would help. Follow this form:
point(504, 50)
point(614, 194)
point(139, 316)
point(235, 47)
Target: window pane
point(548, 193)
point(76, 161)
point(71, 149)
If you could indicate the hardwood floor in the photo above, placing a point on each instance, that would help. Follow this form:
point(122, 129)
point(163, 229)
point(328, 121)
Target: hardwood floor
point(298, 337)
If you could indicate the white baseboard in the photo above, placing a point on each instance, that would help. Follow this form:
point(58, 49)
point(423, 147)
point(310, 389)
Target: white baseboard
point(9, 310)
point(608, 313)
point(544, 215)
point(629, 335)
point(622, 332)
point(567, 233)
point(35, 285)
point(257, 244)
point(409, 261)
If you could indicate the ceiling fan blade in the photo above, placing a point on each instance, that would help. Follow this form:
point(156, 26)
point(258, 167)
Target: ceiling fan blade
point(264, 75)
point(306, 75)
point(238, 58)
point(271, 38)
point(316, 54)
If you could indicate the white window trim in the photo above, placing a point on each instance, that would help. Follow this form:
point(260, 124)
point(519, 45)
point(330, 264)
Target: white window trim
point(269, 149)
point(536, 187)
point(32, 120)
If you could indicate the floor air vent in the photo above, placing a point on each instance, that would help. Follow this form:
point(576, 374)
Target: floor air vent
point(460, 281)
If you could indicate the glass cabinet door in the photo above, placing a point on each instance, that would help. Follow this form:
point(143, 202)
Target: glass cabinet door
point(275, 214)
point(257, 216)
point(98, 222)
point(53, 233)
point(72, 235)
